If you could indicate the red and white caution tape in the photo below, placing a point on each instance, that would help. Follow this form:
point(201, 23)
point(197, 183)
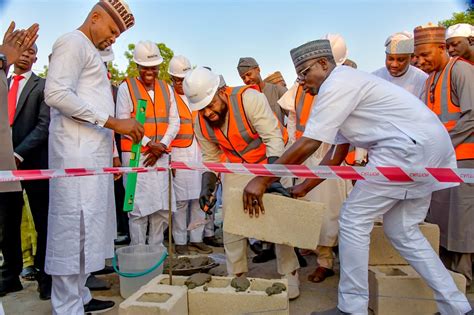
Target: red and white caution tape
point(389, 174)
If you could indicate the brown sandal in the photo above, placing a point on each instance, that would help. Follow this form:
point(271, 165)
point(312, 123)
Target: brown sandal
point(320, 274)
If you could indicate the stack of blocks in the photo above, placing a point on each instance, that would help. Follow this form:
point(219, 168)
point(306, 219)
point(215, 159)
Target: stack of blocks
point(394, 286)
point(215, 297)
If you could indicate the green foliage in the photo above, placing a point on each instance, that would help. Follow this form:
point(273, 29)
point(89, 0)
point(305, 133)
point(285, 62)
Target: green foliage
point(460, 17)
point(44, 73)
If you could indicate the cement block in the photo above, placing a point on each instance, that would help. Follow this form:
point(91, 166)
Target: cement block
point(383, 253)
point(221, 298)
point(399, 289)
point(156, 300)
point(286, 221)
point(218, 297)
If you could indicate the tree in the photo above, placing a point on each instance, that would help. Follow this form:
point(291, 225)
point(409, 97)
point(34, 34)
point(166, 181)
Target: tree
point(44, 73)
point(460, 17)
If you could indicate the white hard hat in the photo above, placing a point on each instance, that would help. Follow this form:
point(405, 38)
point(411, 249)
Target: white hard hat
point(460, 30)
point(338, 47)
point(147, 54)
point(200, 85)
point(179, 66)
point(107, 54)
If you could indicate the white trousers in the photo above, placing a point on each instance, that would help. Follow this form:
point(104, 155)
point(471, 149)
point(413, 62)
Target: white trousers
point(155, 223)
point(187, 209)
point(400, 220)
point(69, 293)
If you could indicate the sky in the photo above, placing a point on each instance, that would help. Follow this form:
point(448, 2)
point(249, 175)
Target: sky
point(217, 33)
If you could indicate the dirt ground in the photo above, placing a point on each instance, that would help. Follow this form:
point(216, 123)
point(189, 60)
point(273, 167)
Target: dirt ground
point(314, 297)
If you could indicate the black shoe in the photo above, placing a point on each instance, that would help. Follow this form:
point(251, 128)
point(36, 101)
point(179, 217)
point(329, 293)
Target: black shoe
point(98, 306)
point(12, 287)
point(44, 286)
point(301, 259)
point(29, 273)
point(264, 256)
point(212, 241)
point(122, 240)
point(106, 271)
point(256, 248)
point(96, 284)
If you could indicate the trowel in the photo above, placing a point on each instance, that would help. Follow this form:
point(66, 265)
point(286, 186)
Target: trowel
point(200, 222)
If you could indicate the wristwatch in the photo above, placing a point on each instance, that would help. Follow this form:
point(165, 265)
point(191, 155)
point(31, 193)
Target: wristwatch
point(3, 62)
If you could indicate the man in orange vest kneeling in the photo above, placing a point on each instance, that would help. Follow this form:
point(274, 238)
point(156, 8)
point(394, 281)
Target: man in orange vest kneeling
point(449, 94)
point(161, 126)
point(238, 122)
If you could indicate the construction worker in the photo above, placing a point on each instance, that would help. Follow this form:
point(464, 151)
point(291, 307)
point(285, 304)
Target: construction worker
point(398, 130)
point(332, 193)
point(186, 183)
point(161, 126)
point(238, 123)
point(398, 51)
point(460, 41)
point(450, 95)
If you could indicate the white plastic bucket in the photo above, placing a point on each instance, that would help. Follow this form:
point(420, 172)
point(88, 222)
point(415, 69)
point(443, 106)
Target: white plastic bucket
point(135, 260)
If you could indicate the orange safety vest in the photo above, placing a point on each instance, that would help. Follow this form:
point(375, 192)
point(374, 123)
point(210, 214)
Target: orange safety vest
point(438, 99)
point(184, 137)
point(303, 105)
point(157, 110)
point(242, 144)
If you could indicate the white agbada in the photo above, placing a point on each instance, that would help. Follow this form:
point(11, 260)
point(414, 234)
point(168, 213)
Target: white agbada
point(414, 80)
point(331, 192)
point(78, 92)
point(398, 130)
point(152, 188)
point(187, 183)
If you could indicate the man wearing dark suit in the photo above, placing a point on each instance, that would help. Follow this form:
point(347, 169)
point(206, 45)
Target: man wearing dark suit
point(29, 118)
point(15, 42)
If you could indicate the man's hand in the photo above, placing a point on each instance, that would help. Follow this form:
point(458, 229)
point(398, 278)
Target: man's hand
point(15, 42)
point(298, 191)
point(157, 148)
point(208, 186)
point(116, 163)
point(129, 127)
point(252, 198)
point(150, 159)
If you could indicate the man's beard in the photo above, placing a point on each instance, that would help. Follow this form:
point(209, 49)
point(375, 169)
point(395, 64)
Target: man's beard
point(218, 123)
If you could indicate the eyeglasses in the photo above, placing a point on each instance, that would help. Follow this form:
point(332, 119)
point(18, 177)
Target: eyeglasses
point(302, 74)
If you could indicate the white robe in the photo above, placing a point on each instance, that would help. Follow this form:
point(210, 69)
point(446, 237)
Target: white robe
point(152, 188)
point(187, 183)
point(414, 80)
point(77, 86)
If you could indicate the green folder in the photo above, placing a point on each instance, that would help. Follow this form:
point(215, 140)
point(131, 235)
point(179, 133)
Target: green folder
point(129, 201)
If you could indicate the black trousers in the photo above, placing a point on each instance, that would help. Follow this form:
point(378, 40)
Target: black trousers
point(11, 204)
point(38, 197)
point(122, 216)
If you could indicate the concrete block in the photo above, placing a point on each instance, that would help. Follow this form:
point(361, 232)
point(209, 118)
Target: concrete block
point(221, 298)
point(400, 289)
point(218, 297)
point(156, 300)
point(286, 221)
point(383, 253)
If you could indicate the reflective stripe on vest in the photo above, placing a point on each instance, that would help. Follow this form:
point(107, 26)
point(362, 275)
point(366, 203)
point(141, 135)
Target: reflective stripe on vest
point(157, 110)
point(303, 105)
point(242, 144)
point(185, 136)
point(439, 100)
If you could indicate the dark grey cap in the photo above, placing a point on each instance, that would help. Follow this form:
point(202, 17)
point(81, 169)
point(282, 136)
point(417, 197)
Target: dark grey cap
point(311, 50)
point(245, 64)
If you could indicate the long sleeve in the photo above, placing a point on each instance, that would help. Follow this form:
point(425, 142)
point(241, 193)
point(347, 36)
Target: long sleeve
point(263, 121)
point(463, 84)
point(173, 121)
point(69, 57)
point(291, 127)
